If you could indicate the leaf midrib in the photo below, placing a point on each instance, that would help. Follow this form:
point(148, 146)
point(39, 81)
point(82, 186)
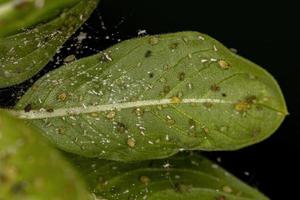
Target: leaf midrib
point(61, 112)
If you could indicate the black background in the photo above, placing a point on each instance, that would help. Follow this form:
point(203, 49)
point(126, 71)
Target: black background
point(265, 34)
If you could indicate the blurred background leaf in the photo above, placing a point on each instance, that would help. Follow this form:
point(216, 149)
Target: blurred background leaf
point(183, 176)
point(33, 44)
point(31, 169)
point(17, 15)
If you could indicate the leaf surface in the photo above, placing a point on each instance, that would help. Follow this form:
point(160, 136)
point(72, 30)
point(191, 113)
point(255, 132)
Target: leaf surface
point(183, 176)
point(151, 97)
point(18, 15)
point(24, 54)
point(31, 169)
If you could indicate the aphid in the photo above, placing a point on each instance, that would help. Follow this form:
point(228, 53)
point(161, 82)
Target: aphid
point(50, 110)
point(176, 100)
point(111, 115)
point(251, 99)
point(28, 108)
point(60, 131)
point(150, 74)
point(166, 89)
point(244, 105)
point(223, 64)
point(131, 142)
point(148, 54)
point(215, 88)
point(121, 127)
point(173, 46)
point(227, 189)
point(144, 179)
point(208, 104)
point(182, 188)
point(70, 58)
point(205, 129)
point(153, 40)
point(62, 96)
point(181, 76)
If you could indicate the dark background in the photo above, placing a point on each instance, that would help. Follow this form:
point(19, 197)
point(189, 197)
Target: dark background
point(265, 34)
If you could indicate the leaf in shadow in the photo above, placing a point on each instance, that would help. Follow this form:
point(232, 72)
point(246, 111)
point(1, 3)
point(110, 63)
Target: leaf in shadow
point(31, 169)
point(183, 176)
point(16, 16)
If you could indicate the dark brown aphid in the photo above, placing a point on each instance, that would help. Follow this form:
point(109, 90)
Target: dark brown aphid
point(28, 108)
point(50, 110)
point(215, 88)
point(151, 75)
point(148, 54)
point(173, 46)
point(251, 99)
point(121, 128)
point(181, 76)
point(166, 89)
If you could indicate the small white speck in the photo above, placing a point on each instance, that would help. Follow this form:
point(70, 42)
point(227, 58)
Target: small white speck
point(150, 142)
point(167, 137)
point(215, 48)
point(142, 32)
point(247, 173)
point(200, 37)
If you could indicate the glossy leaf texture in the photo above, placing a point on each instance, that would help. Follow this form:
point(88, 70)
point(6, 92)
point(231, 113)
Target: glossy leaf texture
point(183, 176)
point(151, 97)
point(31, 169)
point(24, 54)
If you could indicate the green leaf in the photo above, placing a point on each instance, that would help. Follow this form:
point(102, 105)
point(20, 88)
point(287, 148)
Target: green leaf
point(183, 176)
point(31, 169)
point(18, 15)
point(24, 54)
point(151, 97)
